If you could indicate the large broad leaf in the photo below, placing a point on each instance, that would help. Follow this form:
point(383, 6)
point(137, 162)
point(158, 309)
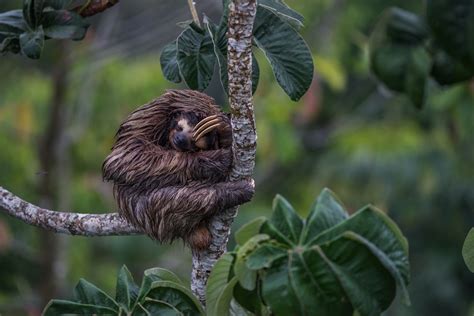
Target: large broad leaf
point(156, 307)
point(283, 11)
point(32, 12)
point(196, 58)
point(286, 51)
point(246, 276)
point(63, 24)
point(61, 307)
point(325, 213)
point(468, 250)
point(126, 289)
point(87, 293)
point(155, 274)
point(177, 296)
point(169, 63)
point(32, 43)
point(217, 282)
point(452, 22)
point(12, 23)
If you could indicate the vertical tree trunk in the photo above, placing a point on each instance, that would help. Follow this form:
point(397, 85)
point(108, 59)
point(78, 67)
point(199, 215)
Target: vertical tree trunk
point(241, 18)
point(49, 152)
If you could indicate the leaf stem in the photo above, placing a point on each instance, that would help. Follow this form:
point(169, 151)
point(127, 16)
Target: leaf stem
point(194, 13)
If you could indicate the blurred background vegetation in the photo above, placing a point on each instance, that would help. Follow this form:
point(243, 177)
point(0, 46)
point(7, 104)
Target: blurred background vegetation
point(58, 117)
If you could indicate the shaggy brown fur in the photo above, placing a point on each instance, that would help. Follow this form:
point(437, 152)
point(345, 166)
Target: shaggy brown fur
point(172, 194)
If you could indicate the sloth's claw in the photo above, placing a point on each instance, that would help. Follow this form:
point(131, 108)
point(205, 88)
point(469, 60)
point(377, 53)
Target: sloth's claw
point(206, 125)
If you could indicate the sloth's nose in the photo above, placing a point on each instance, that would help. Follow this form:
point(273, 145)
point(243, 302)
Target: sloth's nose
point(180, 140)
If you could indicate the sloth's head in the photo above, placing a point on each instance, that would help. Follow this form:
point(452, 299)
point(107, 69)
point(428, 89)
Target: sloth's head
point(186, 135)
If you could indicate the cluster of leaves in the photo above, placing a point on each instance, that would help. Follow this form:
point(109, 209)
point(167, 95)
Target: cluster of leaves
point(406, 50)
point(468, 250)
point(193, 55)
point(24, 31)
point(328, 264)
point(161, 293)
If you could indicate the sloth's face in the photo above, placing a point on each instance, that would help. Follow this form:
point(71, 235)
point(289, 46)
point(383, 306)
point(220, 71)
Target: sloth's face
point(181, 134)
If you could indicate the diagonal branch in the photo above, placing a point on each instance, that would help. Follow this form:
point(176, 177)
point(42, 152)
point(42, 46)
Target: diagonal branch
point(239, 67)
point(110, 224)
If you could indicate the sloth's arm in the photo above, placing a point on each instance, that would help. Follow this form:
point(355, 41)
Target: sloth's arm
point(142, 162)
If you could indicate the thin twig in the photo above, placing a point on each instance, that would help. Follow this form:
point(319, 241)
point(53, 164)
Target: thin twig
point(192, 8)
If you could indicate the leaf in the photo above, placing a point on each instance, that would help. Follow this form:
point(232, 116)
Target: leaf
point(195, 58)
point(156, 307)
point(249, 230)
point(419, 67)
point(264, 256)
point(10, 44)
point(452, 23)
point(152, 275)
point(61, 307)
point(126, 289)
point(247, 277)
point(404, 27)
point(446, 70)
point(12, 23)
point(286, 220)
point(382, 237)
point(63, 24)
point(177, 296)
point(32, 12)
point(250, 300)
point(224, 299)
point(468, 250)
point(326, 212)
point(169, 63)
point(283, 11)
point(32, 42)
point(286, 51)
point(87, 293)
point(217, 281)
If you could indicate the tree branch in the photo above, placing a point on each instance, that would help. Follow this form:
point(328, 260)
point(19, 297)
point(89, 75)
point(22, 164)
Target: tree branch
point(240, 22)
point(110, 224)
point(93, 7)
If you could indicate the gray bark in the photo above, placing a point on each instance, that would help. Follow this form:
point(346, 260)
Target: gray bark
point(239, 53)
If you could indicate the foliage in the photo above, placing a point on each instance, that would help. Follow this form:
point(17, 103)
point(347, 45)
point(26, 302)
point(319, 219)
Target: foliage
point(330, 263)
point(161, 292)
point(24, 31)
point(468, 250)
point(192, 56)
point(406, 50)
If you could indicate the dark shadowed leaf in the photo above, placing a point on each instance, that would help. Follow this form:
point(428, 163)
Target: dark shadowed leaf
point(10, 44)
point(156, 307)
point(447, 70)
point(169, 63)
point(404, 26)
point(250, 300)
point(87, 293)
point(126, 289)
point(246, 276)
point(452, 23)
point(283, 11)
point(468, 250)
point(419, 67)
point(286, 51)
point(32, 12)
point(63, 24)
point(326, 212)
point(196, 58)
point(61, 307)
point(177, 296)
point(32, 43)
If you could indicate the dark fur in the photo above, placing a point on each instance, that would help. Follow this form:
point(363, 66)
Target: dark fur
point(168, 193)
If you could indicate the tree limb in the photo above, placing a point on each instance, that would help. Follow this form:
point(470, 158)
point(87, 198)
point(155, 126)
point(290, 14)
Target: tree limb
point(110, 224)
point(241, 18)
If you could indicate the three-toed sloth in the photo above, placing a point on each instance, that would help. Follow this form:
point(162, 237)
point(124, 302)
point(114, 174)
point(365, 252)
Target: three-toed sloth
point(170, 167)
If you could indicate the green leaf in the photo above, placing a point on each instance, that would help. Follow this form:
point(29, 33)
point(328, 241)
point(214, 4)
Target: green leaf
point(417, 76)
point(169, 63)
point(286, 220)
point(217, 281)
point(382, 237)
point(10, 44)
point(249, 230)
point(265, 255)
point(452, 23)
point(404, 26)
point(32, 12)
point(250, 300)
point(32, 43)
point(246, 276)
point(63, 24)
point(286, 51)
point(12, 23)
point(61, 307)
point(177, 296)
point(224, 299)
point(126, 289)
point(87, 293)
point(156, 307)
point(152, 275)
point(468, 250)
point(283, 11)
point(447, 70)
point(196, 58)
point(326, 212)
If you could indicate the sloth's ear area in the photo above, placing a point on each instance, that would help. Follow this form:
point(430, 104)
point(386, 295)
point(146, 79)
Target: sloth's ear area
point(206, 126)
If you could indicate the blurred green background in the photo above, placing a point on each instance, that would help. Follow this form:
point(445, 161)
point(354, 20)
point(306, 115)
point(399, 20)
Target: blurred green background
point(58, 117)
